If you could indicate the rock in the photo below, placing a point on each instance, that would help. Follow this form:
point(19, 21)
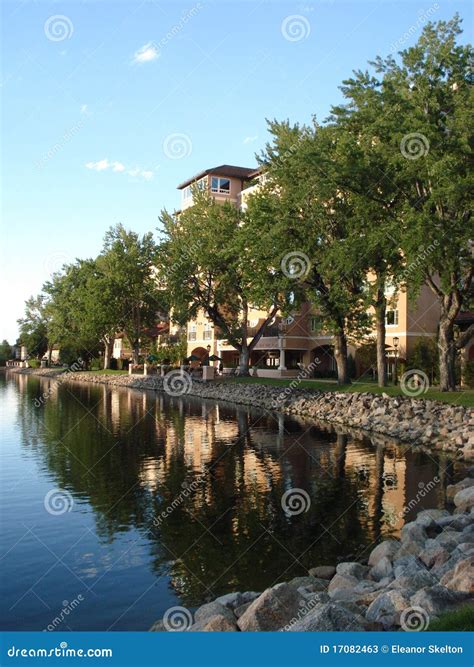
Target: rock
point(212, 609)
point(436, 599)
point(352, 569)
point(234, 600)
point(465, 498)
point(386, 608)
point(273, 609)
point(415, 581)
point(386, 548)
point(461, 577)
point(433, 556)
point(217, 623)
point(329, 617)
point(455, 522)
point(453, 489)
point(382, 569)
point(243, 608)
point(313, 582)
point(341, 581)
point(413, 532)
point(323, 571)
point(407, 566)
point(429, 518)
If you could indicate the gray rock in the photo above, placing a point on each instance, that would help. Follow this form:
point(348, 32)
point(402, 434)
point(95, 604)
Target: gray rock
point(435, 555)
point(159, 626)
point(461, 577)
point(323, 571)
point(437, 599)
point(341, 581)
point(429, 518)
point(234, 600)
point(243, 608)
point(382, 569)
point(386, 608)
point(329, 617)
point(455, 522)
point(273, 609)
point(413, 532)
point(407, 566)
point(465, 498)
point(213, 609)
point(453, 489)
point(415, 581)
point(352, 569)
point(217, 623)
point(315, 583)
point(386, 548)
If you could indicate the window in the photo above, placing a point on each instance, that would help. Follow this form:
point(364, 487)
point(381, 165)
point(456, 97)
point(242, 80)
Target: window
point(187, 194)
point(207, 335)
point(391, 318)
point(192, 332)
point(315, 323)
point(220, 185)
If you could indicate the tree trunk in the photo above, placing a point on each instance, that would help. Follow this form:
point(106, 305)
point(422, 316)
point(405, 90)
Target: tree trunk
point(447, 355)
point(108, 350)
point(244, 359)
point(340, 354)
point(135, 355)
point(50, 355)
point(380, 310)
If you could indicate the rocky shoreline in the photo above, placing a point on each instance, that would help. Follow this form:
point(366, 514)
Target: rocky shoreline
point(403, 585)
point(426, 423)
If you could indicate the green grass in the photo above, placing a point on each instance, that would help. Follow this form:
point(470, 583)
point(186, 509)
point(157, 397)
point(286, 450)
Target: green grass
point(464, 397)
point(459, 620)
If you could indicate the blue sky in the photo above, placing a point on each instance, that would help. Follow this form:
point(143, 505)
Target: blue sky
point(107, 106)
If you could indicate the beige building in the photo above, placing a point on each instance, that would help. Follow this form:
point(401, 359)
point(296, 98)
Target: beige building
point(298, 340)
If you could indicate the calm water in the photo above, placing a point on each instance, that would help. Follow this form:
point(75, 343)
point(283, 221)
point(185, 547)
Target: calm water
point(176, 501)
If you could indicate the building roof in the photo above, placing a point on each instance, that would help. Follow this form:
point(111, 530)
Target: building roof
point(228, 170)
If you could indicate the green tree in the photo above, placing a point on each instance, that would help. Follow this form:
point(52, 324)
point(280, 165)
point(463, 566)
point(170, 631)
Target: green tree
point(34, 326)
point(5, 352)
point(207, 263)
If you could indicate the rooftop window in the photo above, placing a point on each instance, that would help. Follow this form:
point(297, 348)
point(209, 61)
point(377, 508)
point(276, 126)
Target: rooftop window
point(220, 185)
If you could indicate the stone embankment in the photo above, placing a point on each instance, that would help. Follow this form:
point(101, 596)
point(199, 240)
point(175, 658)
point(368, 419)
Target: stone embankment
point(404, 584)
point(425, 423)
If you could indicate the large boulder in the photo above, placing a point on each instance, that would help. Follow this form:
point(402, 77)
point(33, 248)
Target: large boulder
point(329, 617)
point(341, 581)
point(436, 599)
point(413, 532)
point(234, 600)
point(323, 571)
point(453, 489)
point(429, 518)
point(353, 569)
point(461, 577)
point(382, 569)
point(434, 555)
point(217, 623)
point(213, 609)
point(464, 499)
point(387, 607)
point(272, 610)
point(407, 566)
point(386, 548)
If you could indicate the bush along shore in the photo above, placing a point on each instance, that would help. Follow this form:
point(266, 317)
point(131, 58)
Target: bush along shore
point(426, 423)
point(404, 585)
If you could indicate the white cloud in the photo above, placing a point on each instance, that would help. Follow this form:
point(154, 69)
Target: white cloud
point(118, 166)
point(147, 175)
point(249, 140)
point(101, 165)
point(146, 54)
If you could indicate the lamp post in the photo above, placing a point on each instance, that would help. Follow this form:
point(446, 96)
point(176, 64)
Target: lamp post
point(395, 342)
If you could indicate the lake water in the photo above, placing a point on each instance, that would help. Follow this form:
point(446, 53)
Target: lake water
point(118, 504)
